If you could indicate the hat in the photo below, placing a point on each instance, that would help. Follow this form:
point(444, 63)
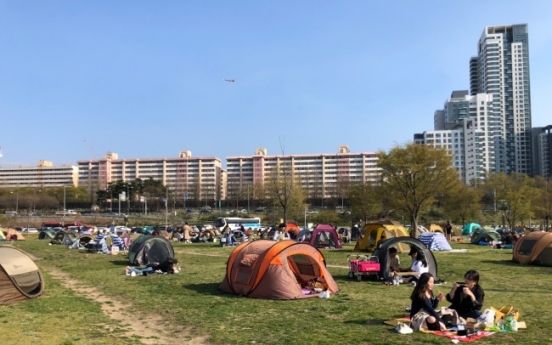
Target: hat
point(413, 250)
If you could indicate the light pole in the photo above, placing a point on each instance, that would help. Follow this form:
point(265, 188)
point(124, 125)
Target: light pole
point(16, 201)
point(64, 203)
point(247, 199)
point(166, 208)
point(128, 198)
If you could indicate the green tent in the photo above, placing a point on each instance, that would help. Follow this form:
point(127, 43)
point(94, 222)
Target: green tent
point(485, 235)
point(148, 249)
point(47, 234)
point(65, 237)
point(469, 228)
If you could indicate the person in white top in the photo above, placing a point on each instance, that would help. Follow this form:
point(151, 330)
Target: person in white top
point(418, 265)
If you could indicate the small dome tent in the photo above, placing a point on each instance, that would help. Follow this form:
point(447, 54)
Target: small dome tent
point(435, 228)
point(324, 236)
point(47, 234)
point(20, 278)
point(147, 249)
point(435, 241)
point(292, 227)
point(377, 231)
point(275, 270)
point(483, 234)
point(382, 252)
point(13, 235)
point(469, 228)
point(534, 248)
point(65, 237)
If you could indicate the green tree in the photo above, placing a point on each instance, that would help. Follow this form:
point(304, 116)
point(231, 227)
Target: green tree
point(365, 200)
point(462, 202)
point(515, 195)
point(413, 175)
point(543, 204)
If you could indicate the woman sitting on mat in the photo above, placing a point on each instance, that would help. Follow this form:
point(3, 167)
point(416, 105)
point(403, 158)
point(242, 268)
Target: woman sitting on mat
point(467, 298)
point(422, 311)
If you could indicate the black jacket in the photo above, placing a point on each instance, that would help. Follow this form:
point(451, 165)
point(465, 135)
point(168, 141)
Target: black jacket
point(462, 303)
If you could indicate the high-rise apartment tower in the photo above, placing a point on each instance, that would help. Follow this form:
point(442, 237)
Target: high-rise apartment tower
point(501, 69)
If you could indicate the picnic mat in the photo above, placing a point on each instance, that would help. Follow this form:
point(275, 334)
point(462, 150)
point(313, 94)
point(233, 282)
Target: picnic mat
point(451, 334)
point(461, 338)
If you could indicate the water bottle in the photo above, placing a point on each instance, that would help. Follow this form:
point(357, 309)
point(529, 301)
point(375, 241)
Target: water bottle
point(514, 325)
point(500, 323)
point(509, 319)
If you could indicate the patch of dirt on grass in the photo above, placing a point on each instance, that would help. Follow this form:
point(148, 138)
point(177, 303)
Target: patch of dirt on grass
point(155, 330)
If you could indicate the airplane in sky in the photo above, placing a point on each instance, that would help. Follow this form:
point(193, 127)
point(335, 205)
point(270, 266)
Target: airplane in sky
point(229, 80)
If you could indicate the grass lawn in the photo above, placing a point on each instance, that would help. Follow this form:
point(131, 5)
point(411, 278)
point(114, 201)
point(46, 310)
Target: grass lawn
point(191, 299)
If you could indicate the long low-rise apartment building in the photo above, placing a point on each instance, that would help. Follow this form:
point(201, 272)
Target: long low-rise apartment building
point(43, 175)
point(323, 175)
point(194, 178)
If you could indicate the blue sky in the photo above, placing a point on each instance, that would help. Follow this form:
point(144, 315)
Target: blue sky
point(145, 78)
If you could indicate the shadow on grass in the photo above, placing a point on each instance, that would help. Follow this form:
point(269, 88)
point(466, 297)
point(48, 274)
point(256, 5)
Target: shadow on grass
point(121, 263)
point(371, 322)
point(501, 262)
point(208, 289)
point(366, 322)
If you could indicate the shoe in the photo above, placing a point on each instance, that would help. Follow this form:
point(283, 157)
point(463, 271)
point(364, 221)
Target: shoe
point(402, 328)
point(412, 283)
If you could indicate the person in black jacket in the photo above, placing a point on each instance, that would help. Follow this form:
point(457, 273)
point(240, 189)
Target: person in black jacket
point(467, 298)
point(424, 301)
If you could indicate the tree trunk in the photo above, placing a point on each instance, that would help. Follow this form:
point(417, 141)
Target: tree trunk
point(414, 226)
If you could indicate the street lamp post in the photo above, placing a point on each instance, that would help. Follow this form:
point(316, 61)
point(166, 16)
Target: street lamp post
point(128, 198)
point(64, 203)
point(16, 202)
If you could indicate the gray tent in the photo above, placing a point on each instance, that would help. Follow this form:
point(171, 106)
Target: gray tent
point(148, 249)
point(382, 252)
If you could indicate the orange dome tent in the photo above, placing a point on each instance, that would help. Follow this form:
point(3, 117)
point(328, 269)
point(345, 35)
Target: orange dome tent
point(275, 270)
point(534, 248)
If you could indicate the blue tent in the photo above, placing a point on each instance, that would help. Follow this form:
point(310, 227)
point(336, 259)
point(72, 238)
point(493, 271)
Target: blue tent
point(435, 241)
point(469, 228)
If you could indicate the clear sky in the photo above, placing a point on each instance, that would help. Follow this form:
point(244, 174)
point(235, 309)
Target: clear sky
point(145, 78)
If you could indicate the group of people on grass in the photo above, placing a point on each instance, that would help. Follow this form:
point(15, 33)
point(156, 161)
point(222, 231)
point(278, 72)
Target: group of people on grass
point(466, 297)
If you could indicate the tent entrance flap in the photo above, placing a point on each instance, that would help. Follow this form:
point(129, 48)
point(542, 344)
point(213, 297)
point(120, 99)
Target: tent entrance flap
point(28, 283)
point(303, 267)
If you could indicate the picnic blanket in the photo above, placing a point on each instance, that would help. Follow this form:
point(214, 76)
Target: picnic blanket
point(451, 333)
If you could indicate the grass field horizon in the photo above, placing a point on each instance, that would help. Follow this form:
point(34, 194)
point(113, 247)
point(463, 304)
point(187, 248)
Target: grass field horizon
point(192, 301)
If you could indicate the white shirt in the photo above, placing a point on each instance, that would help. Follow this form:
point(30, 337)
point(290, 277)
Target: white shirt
point(417, 266)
